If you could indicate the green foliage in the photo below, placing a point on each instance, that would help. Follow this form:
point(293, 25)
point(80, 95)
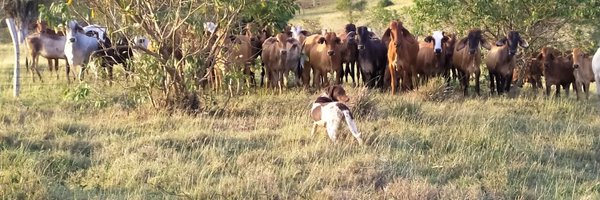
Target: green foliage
point(380, 17)
point(273, 13)
point(349, 7)
point(56, 14)
point(541, 22)
point(81, 92)
point(384, 3)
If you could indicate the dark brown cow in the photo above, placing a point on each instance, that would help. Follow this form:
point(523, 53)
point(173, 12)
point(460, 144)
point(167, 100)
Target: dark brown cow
point(501, 61)
point(531, 73)
point(402, 55)
point(323, 52)
point(558, 70)
point(431, 58)
point(350, 53)
point(582, 70)
point(467, 58)
point(450, 71)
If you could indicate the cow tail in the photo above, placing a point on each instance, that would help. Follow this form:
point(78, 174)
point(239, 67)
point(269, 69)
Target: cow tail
point(352, 126)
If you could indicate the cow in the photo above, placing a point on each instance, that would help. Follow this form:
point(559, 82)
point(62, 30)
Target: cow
point(501, 61)
point(236, 57)
point(402, 55)
point(557, 70)
point(450, 71)
point(582, 71)
point(323, 52)
point(280, 55)
point(467, 58)
point(432, 56)
point(257, 37)
point(372, 59)
point(531, 73)
point(350, 53)
point(596, 69)
point(79, 46)
point(46, 43)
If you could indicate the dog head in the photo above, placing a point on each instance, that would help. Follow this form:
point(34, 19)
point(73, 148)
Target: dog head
point(337, 93)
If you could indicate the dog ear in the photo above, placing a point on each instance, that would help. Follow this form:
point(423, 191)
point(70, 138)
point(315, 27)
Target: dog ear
point(330, 92)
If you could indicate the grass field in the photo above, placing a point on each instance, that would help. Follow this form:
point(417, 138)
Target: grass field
point(419, 145)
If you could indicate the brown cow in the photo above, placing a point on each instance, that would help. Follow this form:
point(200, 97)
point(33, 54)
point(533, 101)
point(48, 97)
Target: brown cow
point(42, 28)
point(467, 60)
point(323, 52)
point(237, 56)
point(402, 55)
point(558, 70)
point(280, 55)
point(531, 73)
point(350, 53)
point(501, 61)
point(582, 70)
point(431, 58)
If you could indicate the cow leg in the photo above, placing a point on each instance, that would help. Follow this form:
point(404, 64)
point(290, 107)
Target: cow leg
point(56, 68)
point(477, 89)
point(548, 86)
point(578, 87)
point(597, 84)
point(464, 81)
point(392, 71)
point(262, 75)
point(507, 81)
point(316, 79)
point(339, 76)
point(492, 83)
point(586, 89)
point(306, 75)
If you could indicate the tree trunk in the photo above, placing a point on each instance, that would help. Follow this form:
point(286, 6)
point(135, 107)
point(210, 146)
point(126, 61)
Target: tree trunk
point(10, 22)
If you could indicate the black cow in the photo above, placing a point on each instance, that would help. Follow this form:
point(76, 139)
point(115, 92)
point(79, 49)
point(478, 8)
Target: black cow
point(372, 58)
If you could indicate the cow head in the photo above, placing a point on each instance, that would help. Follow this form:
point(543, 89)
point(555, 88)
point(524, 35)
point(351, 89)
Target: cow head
point(513, 40)
point(331, 41)
point(282, 43)
point(438, 38)
point(546, 56)
point(578, 57)
point(397, 32)
point(337, 93)
point(474, 38)
point(72, 30)
point(363, 37)
point(349, 28)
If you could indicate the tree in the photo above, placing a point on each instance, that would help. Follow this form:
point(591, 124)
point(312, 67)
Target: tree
point(186, 53)
point(562, 23)
point(349, 6)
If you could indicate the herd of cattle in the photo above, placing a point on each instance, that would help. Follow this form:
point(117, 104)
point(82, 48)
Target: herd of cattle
point(396, 60)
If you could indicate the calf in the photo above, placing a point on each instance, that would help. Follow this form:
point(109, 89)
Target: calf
point(501, 60)
point(582, 70)
point(557, 69)
point(432, 55)
point(531, 73)
point(280, 55)
point(323, 52)
point(467, 60)
point(372, 58)
point(596, 69)
point(46, 43)
point(110, 55)
point(402, 55)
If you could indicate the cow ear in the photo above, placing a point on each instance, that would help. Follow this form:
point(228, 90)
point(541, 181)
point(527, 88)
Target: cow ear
point(445, 39)
point(485, 44)
point(461, 44)
point(523, 43)
point(388, 33)
point(321, 40)
point(338, 40)
point(539, 56)
point(428, 39)
point(501, 42)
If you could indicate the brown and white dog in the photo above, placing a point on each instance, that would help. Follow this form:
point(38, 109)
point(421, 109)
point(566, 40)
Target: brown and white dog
point(329, 110)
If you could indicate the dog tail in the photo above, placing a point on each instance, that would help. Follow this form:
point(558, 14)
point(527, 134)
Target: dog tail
point(351, 125)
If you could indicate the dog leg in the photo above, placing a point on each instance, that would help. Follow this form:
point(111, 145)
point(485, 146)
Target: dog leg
point(352, 126)
point(332, 127)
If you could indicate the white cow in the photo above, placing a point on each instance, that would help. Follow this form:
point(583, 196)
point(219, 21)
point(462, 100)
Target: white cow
point(79, 47)
point(596, 69)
